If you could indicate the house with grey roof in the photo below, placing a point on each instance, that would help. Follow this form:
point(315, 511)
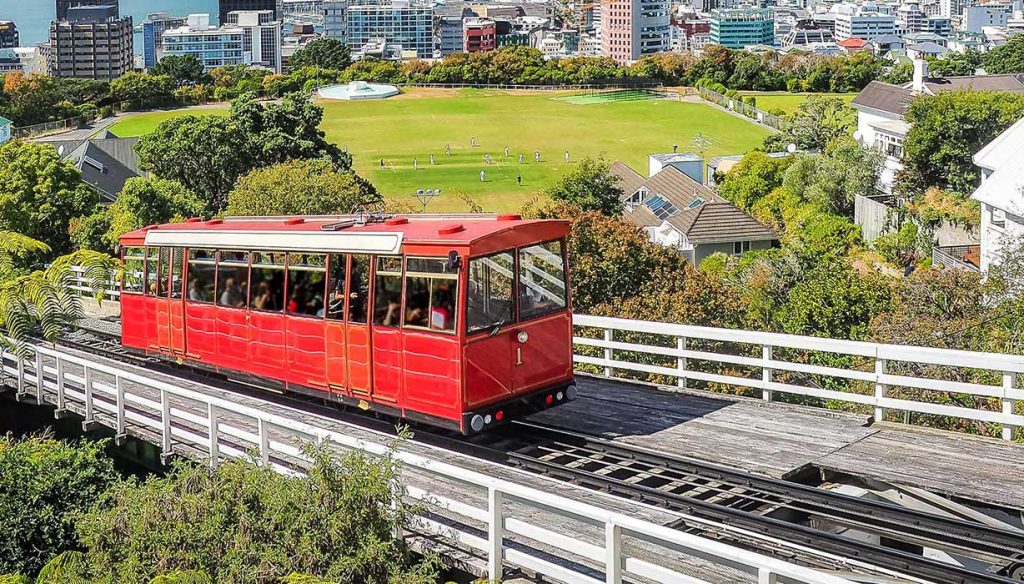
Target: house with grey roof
point(675, 210)
point(881, 108)
point(106, 162)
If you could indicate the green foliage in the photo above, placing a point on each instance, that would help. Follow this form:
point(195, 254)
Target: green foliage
point(246, 523)
point(142, 90)
point(844, 170)
point(954, 63)
point(818, 121)
point(820, 234)
point(833, 300)
point(591, 186)
point(44, 484)
point(90, 231)
point(899, 74)
point(754, 177)
point(182, 69)
point(324, 53)
point(183, 577)
point(300, 187)
point(1006, 58)
point(69, 567)
point(35, 99)
point(150, 201)
point(946, 131)
point(14, 579)
point(40, 193)
point(899, 247)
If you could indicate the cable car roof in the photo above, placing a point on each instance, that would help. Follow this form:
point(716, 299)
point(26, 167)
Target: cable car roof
point(339, 234)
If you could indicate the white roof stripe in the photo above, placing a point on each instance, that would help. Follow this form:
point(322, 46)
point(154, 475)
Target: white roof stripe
point(319, 241)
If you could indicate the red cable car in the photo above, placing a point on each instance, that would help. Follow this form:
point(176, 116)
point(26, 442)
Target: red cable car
point(457, 321)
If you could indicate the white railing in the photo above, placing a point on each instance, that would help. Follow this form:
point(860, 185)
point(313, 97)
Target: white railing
point(84, 286)
point(126, 398)
point(883, 368)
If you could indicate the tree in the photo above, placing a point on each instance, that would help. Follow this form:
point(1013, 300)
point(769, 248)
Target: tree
point(44, 485)
point(818, 121)
point(300, 187)
point(206, 154)
point(323, 53)
point(183, 69)
point(141, 90)
point(591, 186)
point(966, 63)
point(151, 201)
point(834, 300)
point(946, 130)
point(844, 170)
point(40, 193)
point(246, 523)
point(1006, 58)
point(756, 175)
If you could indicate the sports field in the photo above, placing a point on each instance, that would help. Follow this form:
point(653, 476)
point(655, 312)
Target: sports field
point(422, 122)
point(789, 102)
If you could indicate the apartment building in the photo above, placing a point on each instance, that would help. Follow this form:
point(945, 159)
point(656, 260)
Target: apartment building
point(742, 27)
point(229, 6)
point(64, 5)
point(92, 42)
point(261, 37)
point(631, 29)
point(864, 25)
point(9, 37)
point(480, 35)
point(398, 22)
point(153, 30)
point(212, 46)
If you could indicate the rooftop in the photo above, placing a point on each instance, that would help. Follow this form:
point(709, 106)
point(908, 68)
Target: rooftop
point(1004, 188)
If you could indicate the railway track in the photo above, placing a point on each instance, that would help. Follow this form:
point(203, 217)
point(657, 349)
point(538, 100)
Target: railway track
point(758, 510)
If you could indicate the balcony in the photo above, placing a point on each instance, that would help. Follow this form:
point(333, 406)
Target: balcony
point(957, 257)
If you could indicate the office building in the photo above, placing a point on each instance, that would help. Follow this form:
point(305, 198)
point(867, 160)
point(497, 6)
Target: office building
point(9, 37)
point(229, 6)
point(335, 19)
point(212, 46)
point(153, 30)
point(398, 22)
point(481, 35)
point(631, 29)
point(93, 42)
point(742, 27)
point(64, 5)
point(450, 36)
point(867, 26)
point(938, 25)
point(261, 37)
point(975, 18)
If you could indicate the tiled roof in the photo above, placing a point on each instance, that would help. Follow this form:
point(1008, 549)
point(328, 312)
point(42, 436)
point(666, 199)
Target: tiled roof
point(703, 216)
point(884, 97)
point(106, 164)
point(1011, 83)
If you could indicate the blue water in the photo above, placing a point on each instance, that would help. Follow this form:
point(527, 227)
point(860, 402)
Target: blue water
point(33, 16)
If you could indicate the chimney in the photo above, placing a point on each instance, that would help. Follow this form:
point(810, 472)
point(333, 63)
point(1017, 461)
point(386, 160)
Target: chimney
point(920, 74)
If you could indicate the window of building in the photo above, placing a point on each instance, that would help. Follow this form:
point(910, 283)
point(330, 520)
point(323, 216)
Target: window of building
point(541, 279)
point(134, 260)
point(232, 279)
point(739, 247)
point(489, 301)
point(267, 288)
point(306, 275)
point(430, 294)
point(387, 304)
point(202, 269)
point(998, 218)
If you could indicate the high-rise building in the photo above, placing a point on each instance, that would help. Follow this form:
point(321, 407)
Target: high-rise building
point(153, 30)
point(450, 35)
point(212, 46)
point(336, 19)
point(631, 29)
point(865, 25)
point(261, 37)
point(742, 27)
point(92, 42)
point(228, 6)
point(398, 22)
point(481, 35)
point(9, 37)
point(912, 16)
point(64, 5)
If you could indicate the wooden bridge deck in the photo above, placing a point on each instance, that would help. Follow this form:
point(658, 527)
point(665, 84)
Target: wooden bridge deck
point(783, 440)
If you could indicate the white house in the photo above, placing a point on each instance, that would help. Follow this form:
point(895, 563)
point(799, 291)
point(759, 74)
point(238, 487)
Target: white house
point(1001, 193)
point(5, 129)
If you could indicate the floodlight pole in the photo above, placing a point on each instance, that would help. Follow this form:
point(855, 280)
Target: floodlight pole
point(424, 196)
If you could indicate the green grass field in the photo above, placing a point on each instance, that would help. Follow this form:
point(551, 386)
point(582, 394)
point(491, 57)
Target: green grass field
point(421, 122)
point(789, 102)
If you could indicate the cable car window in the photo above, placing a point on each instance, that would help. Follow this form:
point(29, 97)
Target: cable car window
point(202, 268)
point(387, 304)
point(177, 256)
point(336, 287)
point(306, 275)
point(233, 279)
point(267, 287)
point(359, 289)
point(134, 270)
point(541, 279)
point(153, 286)
point(489, 301)
point(165, 261)
point(430, 294)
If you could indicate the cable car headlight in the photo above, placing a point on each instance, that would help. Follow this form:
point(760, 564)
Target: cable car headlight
point(477, 423)
point(523, 336)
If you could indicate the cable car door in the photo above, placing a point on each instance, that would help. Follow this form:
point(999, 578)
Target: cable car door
point(358, 356)
point(386, 332)
point(171, 307)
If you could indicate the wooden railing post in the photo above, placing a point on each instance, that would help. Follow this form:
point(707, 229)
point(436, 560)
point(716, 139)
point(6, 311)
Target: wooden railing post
point(766, 372)
point(766, 576)
point(880, 389)
point(1009, 378)
point(119, 386)
point(165, 421)
point(612, 553)
point(495, 534)
point(60, 387)
point(214, 424)
point(608, 354)
point(89, 415)
point(681, 363)
point(21, 376)
point(40, 377)
point(264, 445)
